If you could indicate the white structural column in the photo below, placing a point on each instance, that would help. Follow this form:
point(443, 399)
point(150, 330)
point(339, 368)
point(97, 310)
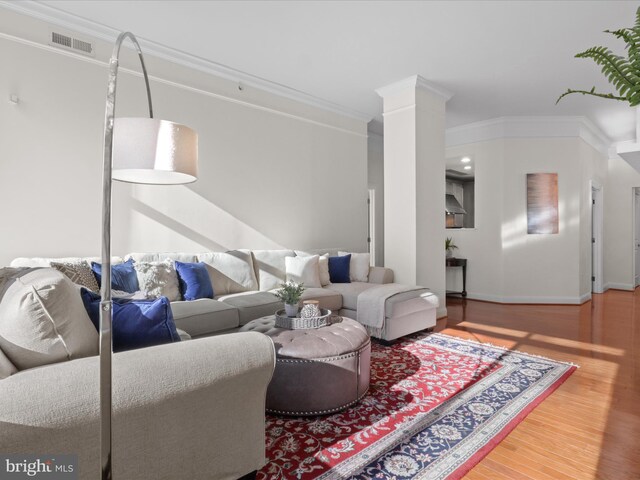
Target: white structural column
point(414, 183)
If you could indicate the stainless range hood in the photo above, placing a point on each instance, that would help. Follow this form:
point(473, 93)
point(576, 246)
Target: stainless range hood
point(452, 205)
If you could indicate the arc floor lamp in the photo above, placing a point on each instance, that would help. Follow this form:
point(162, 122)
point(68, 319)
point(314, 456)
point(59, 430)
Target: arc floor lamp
point(136, 150)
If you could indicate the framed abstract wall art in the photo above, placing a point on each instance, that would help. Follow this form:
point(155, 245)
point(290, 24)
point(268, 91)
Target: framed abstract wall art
point(542, 203)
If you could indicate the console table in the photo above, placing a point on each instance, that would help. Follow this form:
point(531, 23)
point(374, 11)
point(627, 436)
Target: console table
point(458, 262)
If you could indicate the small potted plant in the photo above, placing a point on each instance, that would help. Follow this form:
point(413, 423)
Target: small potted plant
point(290, 293)
point(449, 246)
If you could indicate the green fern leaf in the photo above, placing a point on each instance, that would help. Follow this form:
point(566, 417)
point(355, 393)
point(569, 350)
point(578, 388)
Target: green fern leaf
point(613, 66)
point(622, 73)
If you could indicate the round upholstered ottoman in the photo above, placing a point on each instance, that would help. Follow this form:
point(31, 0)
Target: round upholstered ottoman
point(318, 371)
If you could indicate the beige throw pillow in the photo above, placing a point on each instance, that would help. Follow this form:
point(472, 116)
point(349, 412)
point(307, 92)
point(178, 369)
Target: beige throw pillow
point(42, 318)
point(158, 279)
point(303, 270)
point(270, 267)
point(230, 272)
point(358, 266)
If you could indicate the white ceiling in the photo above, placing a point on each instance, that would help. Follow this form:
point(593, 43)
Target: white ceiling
point(499, 58)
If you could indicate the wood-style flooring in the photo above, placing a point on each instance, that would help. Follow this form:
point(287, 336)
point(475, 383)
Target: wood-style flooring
point(590, 427)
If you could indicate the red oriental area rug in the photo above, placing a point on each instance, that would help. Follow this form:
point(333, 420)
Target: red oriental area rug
point(436, 406)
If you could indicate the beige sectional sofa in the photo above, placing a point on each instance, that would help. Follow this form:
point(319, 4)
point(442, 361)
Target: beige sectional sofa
point(244, 281)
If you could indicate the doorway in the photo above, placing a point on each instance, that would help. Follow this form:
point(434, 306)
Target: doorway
point(596, 239)
point(636, 235)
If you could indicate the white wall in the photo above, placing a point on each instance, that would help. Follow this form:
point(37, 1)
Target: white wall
point(505, 263)
point(273, 172)
point(618, 224)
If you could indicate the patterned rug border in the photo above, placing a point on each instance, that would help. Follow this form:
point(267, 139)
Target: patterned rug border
point(487, 344)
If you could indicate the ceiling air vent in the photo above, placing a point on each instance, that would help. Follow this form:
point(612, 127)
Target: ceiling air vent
point(71, 42)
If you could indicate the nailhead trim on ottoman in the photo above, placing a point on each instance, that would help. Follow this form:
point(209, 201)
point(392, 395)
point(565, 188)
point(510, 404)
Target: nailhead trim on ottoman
point(318, 371)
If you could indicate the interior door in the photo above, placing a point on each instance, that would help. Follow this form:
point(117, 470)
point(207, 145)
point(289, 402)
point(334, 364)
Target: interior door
point(637, 234)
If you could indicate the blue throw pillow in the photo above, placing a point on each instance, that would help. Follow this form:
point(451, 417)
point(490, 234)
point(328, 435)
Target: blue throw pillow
point(339, 269)
point(136, 323)
point(194, 280)
point(123, 276)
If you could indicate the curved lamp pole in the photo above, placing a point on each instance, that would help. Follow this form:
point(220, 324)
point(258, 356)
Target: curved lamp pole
point(137, 150)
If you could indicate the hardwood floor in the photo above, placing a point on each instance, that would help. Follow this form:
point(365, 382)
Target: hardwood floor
point(590, 427)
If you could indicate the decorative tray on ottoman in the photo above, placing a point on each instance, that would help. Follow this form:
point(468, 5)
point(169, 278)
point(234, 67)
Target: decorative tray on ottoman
point(298, 323)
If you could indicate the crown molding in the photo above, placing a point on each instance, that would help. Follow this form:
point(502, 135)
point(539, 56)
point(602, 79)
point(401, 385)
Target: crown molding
point(414, 82)
point(529, 127)
point(99, 31)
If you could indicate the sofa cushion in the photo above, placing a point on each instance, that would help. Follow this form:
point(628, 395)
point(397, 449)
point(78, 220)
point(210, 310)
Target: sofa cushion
point(158, 279)
point(339, 269)
point(303, 270)
point(194, 280)
point(79, 273)
point(230, 272)
point(350, 292)
point(253, 305)
point(123, 276)
point(270, 267)
point(42, 318)
point(359, 267)
point(159, 257)
point(328, 298)
point(136, 323)
point(204, 316)
point(6, 367)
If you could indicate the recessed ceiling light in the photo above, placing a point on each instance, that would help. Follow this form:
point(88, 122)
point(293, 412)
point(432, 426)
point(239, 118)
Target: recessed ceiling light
point(465, 160)
point(467, 167)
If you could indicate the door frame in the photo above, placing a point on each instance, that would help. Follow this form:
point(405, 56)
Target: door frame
point(371, 240)
point(597, 252)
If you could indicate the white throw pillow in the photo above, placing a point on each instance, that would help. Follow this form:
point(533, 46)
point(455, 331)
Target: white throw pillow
point(359, 266)
point(323, 266)
point(303, 270)
point(230, 272)
point(42, 318)
point(158, 279)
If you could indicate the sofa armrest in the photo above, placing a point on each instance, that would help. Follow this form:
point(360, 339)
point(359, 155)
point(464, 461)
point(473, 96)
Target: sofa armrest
point(192, 409)
point(380, 275)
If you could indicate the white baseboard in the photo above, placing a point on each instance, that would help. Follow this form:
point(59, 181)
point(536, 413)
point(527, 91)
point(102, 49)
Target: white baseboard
point(552, 300)
point(619, 286)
